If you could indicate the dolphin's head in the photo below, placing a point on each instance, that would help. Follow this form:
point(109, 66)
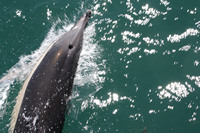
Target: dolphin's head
point(76, 34)
point(88, 13)
point(82, 22)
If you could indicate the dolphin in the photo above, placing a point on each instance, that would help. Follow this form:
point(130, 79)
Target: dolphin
point(42, 101)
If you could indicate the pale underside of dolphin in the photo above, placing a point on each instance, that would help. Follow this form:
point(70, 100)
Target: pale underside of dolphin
point(42, 101)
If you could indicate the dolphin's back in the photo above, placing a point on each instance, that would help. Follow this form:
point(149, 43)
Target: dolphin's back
point(47, 91)
point(41, 104)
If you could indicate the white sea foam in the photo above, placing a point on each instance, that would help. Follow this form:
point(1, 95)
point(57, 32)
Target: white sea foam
point(89, 73)
point(88, 70)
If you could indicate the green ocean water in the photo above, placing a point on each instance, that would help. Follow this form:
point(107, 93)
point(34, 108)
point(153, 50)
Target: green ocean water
point(138, 70)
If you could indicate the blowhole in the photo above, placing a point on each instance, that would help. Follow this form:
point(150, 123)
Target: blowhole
point(70, 46)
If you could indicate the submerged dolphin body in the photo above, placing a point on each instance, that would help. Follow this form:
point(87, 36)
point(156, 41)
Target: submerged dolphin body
point(42, 101)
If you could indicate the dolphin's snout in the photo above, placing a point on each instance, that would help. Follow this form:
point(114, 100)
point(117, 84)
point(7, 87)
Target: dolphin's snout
point(83, 21)
point(88, 13)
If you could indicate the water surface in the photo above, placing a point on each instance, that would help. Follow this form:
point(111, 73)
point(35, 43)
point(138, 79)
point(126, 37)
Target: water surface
point(139, 67)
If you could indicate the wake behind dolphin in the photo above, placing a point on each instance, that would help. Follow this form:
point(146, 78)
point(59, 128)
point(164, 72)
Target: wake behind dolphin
point(42, 101)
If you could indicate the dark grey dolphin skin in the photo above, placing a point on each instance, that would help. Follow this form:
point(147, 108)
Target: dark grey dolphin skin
point(44, 102)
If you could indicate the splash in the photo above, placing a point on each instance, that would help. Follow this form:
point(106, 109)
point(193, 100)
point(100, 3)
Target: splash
point(90, 74)
point(88, 70)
